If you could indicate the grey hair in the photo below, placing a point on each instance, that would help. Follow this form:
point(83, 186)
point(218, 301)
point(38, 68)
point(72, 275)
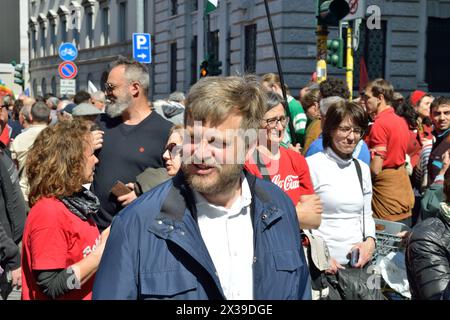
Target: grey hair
point(53, 101)
point(99, 96)
point(25, 111)
point(40, 112)
point(134, 71)
point(325, 103)
point(177, 96)
point(273, 99)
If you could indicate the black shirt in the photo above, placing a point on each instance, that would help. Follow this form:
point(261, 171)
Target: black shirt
point(126, 152)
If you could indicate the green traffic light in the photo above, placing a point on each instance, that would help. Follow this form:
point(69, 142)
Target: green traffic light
point(336, 51)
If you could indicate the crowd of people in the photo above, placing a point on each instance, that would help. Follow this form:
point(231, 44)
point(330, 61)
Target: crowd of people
point(229, 192)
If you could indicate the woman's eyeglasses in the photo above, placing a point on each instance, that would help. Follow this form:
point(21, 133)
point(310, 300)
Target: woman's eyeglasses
point(347, 130)
point(273, 122)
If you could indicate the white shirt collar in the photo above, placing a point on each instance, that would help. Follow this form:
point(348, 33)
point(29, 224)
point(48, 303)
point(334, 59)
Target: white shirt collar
point(244, 200)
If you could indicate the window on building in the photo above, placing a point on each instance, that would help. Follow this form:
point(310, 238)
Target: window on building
point(437, 55)
point(89, 29)
point(42, 49)
point(64, 30)
point(194, 60)
point(52, 32)
point(76, 36)
point(173, 67)
point(105, 26)
point(54, 86)
point(372, 47)
point(122, 21)
point(34, 43)
point(195, 5)
point(103, 80)
point(35, 88)
point(250, 49)
point(43, 87)
point(174, 7)
point(214, 44)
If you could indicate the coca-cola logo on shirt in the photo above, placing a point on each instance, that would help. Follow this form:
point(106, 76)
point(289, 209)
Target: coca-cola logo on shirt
point(290, 183)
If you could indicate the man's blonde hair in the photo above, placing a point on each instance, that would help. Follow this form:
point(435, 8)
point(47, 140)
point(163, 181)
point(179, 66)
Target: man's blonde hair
point(215, 98)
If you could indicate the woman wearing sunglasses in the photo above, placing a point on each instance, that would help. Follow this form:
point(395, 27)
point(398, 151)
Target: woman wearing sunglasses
point(151, 177)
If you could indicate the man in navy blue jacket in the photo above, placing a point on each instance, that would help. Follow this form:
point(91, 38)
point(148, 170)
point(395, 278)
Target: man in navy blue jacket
point(213, 231)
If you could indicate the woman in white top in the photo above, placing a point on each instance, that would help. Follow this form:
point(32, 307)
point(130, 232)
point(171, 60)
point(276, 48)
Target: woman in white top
point(347, 222)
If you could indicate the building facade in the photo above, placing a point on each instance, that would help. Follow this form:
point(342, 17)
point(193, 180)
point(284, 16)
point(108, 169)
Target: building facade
point(399, 40)
point(13, 34)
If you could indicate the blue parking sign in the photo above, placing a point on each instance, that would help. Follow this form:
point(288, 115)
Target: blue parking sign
point(142, 47)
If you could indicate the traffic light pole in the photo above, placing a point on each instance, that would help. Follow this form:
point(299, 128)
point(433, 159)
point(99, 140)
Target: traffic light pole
point(349, 67)
point(321, 68)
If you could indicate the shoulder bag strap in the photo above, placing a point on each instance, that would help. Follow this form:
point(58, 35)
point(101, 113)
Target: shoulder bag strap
point(261, 165)
point(359, 172)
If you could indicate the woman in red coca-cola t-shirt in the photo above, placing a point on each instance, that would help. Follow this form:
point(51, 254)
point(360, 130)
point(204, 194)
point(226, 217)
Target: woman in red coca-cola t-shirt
point(284, 167)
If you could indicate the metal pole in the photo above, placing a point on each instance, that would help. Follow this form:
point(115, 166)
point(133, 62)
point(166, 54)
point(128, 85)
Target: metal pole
point(349, 67)
point(206, 26)
point(280, 75)
point(321, 68)
point(140, 16)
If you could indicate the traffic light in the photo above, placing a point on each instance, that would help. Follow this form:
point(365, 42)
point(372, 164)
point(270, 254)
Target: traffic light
point(204, 69)
point(330, 12)
point(214, 67)
point(18, 73)
point(336, 53)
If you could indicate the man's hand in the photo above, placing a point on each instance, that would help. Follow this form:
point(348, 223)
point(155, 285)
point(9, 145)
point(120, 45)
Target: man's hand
point(126, 199)
point(309, 211)
point(16, 275)
point(97, 139)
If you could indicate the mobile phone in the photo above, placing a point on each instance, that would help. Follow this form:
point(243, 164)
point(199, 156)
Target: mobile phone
point(354, 257)
point(119, 189)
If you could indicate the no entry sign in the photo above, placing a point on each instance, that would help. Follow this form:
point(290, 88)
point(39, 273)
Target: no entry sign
point(67, 70)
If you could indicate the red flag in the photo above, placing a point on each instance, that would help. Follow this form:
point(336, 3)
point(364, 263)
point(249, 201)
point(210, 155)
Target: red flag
point(363, 75)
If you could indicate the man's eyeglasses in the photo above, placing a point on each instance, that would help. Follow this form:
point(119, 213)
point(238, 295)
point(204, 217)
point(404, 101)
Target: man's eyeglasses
point(109, 87)
point(365, 97)
point(174, 149)
point(347, 130)
point(273, 122)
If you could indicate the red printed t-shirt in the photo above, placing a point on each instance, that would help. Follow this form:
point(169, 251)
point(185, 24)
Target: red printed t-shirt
point(290, 173)
point(390, 131)
point(55, 238)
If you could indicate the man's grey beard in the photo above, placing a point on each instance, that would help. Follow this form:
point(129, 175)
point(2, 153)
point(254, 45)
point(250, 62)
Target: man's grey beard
point(116, 109)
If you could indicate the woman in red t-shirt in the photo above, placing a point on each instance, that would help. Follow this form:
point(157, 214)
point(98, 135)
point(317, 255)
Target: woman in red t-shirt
point(62, 246)
point(284, 167)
